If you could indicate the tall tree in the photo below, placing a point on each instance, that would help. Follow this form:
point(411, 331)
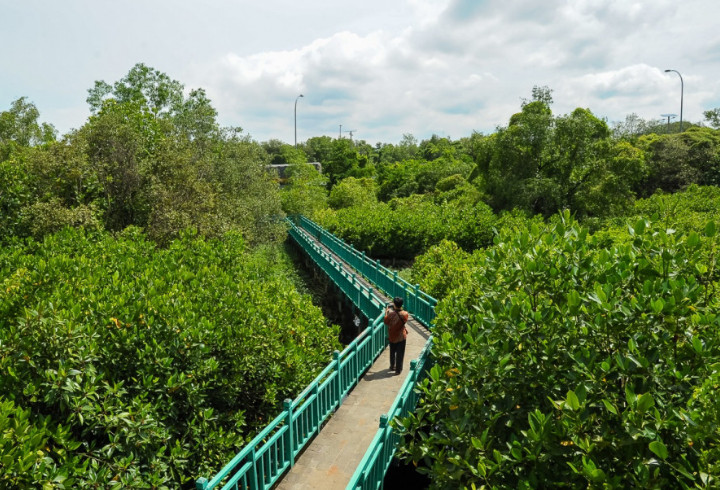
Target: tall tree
point(713, 117)
point(20, 128)
point(161, 96)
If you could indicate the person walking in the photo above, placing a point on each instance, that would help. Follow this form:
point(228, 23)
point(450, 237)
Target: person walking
point(395, 319)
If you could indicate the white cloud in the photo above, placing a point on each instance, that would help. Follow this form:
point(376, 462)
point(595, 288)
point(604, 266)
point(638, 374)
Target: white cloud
point(388, 68)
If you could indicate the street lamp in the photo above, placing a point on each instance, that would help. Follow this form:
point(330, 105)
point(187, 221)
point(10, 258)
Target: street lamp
point(296, 99)
point(682, 90)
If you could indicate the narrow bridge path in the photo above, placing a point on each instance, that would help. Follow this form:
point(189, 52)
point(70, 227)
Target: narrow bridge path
point(332, 457)
point(334, 434)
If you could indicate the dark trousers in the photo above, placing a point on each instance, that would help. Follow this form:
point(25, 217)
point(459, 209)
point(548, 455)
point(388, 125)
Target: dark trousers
point(397, 353)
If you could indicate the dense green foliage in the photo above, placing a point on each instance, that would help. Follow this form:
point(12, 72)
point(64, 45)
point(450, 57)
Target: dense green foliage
point(405, 227)
point(123, 362)
point(563, 362)
point(305, 192)
point(148, 156)
point(676, 161)
point(540, 163)
point(19, 128)
point(144, 346)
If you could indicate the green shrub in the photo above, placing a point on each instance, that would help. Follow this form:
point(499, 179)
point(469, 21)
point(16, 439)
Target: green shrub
point(352, 192)
point(404, 228)
point(162, 363)
point(561, 362)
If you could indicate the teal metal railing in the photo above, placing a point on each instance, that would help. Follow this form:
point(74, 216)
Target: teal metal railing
point(420, 304)
point(370, 473)
point(345, 278)
point(262, 462)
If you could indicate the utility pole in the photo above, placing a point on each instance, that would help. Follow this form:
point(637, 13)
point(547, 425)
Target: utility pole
point(296, 99)
point(668, 118)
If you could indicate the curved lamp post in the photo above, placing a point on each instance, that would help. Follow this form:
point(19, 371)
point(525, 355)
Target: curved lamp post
point(296, 99)
point(682, 90)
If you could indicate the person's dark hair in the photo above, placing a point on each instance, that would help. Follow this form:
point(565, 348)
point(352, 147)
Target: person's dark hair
point(398, 302)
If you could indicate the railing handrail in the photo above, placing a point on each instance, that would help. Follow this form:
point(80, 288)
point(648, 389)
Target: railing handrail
point(373, 271)
point(372, 468)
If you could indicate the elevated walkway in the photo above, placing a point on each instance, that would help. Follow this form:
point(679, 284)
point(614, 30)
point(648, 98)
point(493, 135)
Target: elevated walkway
point(333, 456)
point(335, 434)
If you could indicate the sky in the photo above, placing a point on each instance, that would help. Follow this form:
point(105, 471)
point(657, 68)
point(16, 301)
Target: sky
point(379, 68)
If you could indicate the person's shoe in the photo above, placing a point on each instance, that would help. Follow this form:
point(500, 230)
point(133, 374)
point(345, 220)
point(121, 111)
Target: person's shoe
point(398, 372)
point(392, 368)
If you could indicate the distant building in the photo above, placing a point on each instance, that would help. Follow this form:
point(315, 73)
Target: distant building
point(279, 169)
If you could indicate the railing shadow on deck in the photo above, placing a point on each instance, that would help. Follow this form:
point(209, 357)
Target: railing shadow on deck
point(262, 462)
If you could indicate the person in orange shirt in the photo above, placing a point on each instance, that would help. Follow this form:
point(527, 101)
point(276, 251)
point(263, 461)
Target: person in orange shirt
point(395, 319)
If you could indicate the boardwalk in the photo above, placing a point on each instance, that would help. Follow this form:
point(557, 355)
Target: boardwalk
point(332, 457)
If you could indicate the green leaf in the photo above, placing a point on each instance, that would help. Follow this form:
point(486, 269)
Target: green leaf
point(683, 472)
point(498, 456)
point(693, 239)
point(629, 394)
point(573, 298)
point(644, 402)
point(572, 400)
point(697, 344)
point(609, 406)
point(710, 229)
point(600, 292)
point(435, 372)
point(657, 305)
point(640, 227)
point(659, 449)
point(581, 393)
point(632, 346)
point(597, 475)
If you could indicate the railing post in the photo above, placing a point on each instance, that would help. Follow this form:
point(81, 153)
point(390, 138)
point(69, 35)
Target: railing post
point(395, 283)
point(319, 407)
point(336, 360)
point(253, 469)
point(384, 419)
point(356, 363)
point(201, 483)
point(287, 404)
point(362, 265)
point(377, 272)
point(353, 288)
point(412, 395)
point(417, 298)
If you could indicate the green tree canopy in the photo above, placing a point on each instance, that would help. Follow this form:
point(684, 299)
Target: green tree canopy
point(713, 117)
point(20, 128)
